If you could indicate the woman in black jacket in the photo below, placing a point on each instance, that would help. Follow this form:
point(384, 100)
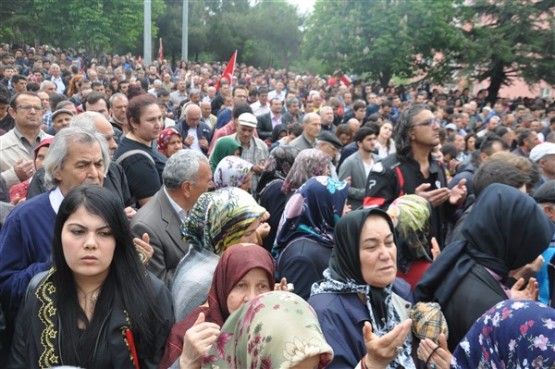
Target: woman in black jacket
point(505, 231)
point(97, 307)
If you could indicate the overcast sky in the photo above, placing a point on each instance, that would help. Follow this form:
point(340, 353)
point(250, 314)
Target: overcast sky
point(303, 5)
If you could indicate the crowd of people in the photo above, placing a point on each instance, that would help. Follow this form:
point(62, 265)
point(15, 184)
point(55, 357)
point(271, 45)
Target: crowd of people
point(174, 218)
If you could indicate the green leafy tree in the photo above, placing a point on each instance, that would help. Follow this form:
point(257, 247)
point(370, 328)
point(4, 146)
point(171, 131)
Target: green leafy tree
point(170, 28)
point(96, 25)
point(264, 33)
point(507, 40)
point(17, 22)
point(274, 35)
point(382, 38)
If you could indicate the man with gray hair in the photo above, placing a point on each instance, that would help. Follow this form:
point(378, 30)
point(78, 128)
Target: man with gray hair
point(294, 113)
point(76, 157)
point(326, 117)
point(186, 176)
point(118, 114)
point(312, 123)
point(114, 180)
point(196, 134)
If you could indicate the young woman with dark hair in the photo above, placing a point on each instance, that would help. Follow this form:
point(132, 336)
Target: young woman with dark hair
point(97, 307)
point(143, 164)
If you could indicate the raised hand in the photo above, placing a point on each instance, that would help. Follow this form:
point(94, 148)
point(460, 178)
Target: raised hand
point(197, 341)
point(380, 351)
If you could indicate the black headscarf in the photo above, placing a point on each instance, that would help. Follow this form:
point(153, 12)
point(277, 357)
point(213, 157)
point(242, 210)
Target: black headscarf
point(344, 276)
point(345, 256)
point(504, 231)
point(344, 263)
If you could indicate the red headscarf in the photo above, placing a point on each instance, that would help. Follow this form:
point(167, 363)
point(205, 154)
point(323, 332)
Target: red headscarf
point(164, 139)
point(235, 262)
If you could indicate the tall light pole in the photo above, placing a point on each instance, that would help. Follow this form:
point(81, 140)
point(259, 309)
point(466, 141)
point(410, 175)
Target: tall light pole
point(147, 48)
point(185, 31)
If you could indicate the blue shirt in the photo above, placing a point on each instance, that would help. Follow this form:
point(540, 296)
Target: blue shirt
point(223, 118)
point(25, 248)
point(542, 277)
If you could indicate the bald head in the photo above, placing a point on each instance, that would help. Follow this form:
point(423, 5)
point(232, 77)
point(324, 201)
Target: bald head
point(206, 109)
point(354, 125)
point(97, 122)
point(192, 115)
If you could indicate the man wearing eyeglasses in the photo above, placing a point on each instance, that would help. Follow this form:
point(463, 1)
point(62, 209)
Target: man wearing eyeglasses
point(413, 170)
point(17, 146)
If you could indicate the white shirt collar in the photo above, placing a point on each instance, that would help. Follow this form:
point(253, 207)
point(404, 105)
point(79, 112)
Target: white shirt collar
point(56, 197)
point(178, 209)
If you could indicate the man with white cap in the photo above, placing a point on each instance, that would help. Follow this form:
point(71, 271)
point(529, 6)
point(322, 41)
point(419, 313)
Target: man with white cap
point(255, 151)
point(544, 155)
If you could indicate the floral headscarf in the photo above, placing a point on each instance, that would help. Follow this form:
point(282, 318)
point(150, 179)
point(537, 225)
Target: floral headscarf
point(232, 171)
point(309, 163)
point(512, 334)
point(410, 214)
point(225, 146)
point(220, 218)
point(312, 212)
point(254, 336)
point(278, 165)
point(234, 264)
point(165, 137)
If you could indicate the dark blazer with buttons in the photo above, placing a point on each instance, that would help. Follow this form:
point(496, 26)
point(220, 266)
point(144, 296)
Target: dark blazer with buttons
point(159, 219)
point(264, 126)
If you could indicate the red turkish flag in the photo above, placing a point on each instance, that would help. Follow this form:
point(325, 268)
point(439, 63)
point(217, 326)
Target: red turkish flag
point(229, 70)
point(161, 51)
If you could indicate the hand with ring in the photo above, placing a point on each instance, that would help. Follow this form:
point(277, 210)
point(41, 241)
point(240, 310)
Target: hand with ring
point(144, 250)
point(435, 356)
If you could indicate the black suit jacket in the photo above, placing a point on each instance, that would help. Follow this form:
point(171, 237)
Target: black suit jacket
point(264, 126)
point(287, 118)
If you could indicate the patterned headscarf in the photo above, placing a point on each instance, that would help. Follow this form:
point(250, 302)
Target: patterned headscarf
point(410, 214)
point(278, 165)
point(312, 212)
point(225, 146)
point(309, 163)
point(254, 336)
point(232, 171)
point(220, 218)
point(165, 137)
point(234, 264)
point(512, 334)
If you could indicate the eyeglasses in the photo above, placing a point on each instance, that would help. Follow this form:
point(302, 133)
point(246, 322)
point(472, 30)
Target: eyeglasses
point(29, 107)
point(429, 122)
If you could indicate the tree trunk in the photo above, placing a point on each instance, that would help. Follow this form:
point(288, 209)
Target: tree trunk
point(497, 78)
point(385, 77)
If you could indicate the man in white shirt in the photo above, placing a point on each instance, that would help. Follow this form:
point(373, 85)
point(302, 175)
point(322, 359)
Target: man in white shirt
point(196, 134)
point(279, 92)
point(261, 106)
point(56, 78)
